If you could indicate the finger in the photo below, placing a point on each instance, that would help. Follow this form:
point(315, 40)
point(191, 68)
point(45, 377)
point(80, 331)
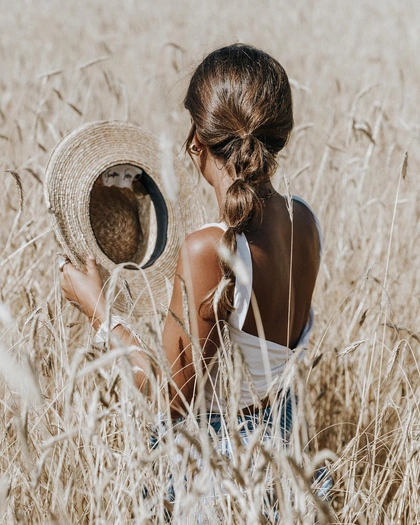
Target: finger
point(69, 269)
point(70, 272)
point(91, 264)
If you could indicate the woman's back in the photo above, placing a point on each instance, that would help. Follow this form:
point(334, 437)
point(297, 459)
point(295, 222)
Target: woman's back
point(284, 272)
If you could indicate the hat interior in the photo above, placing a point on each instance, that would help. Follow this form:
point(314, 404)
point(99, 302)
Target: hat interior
point(129, 216)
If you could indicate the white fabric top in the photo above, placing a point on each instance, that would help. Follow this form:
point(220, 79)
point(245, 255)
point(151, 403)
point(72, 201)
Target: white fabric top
point(265, 360)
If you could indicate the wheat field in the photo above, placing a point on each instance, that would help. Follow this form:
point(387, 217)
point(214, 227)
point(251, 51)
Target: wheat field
point(74, 433)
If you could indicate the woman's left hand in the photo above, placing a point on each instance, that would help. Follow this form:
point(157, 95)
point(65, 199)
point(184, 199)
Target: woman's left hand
point(85, 289)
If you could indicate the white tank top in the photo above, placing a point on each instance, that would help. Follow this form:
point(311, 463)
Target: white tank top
point(265, 360)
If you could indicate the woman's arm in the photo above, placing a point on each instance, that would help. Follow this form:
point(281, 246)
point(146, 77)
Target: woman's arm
point(197, 274)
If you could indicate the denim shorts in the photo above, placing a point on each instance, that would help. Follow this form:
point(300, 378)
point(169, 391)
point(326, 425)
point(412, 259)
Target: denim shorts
point(276, 424)
point(273, 424)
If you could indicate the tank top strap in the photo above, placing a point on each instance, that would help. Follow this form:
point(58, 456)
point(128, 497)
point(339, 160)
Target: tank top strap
point(243, 283)
point(243, 280)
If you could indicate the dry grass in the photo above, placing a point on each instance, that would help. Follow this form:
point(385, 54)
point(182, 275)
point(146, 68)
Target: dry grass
point(74, 435)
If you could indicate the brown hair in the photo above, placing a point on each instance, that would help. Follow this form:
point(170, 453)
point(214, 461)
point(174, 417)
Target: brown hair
point(240, 102)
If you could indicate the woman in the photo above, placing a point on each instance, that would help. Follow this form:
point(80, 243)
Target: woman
point(240, 104)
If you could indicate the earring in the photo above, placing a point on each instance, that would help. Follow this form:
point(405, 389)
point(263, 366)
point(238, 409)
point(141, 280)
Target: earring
point(194, 150)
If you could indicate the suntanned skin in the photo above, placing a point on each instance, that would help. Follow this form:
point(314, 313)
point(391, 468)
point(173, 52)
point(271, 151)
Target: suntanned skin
point(198, 267)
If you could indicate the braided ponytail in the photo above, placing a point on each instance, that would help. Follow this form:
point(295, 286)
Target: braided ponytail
point(243, 206)
point(240, 101)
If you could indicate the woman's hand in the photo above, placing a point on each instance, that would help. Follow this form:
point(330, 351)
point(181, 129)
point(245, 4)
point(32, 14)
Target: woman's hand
point(85, 289)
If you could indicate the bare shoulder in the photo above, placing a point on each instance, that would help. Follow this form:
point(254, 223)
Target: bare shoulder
point(304, 212)
point(199, 254)
point(199, 268)
point(202, 244)
point(303, 207)
point(305, 219)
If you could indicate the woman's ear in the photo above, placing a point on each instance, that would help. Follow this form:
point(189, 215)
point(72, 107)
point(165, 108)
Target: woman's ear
point(196, 147)
point(196, 141)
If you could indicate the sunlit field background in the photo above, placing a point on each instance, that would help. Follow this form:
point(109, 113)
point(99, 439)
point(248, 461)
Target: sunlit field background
point(74, 433)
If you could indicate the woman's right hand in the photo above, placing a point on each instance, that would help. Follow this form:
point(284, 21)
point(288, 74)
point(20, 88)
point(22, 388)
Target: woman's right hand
point(85, 289)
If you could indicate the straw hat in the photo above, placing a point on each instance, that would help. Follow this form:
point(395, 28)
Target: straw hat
point(112, 193)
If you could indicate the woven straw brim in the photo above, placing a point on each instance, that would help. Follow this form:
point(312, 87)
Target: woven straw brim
point(76, 163)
